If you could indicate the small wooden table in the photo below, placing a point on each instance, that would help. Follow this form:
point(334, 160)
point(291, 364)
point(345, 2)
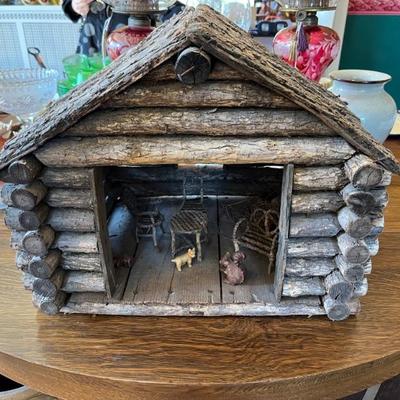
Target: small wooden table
point(99, 357)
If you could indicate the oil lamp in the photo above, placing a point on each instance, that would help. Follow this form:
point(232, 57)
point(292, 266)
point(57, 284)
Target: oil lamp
point(139, 25)
point(307, 46)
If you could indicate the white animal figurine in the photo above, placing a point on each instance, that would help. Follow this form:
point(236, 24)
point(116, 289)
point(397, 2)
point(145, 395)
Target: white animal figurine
point(185, 259)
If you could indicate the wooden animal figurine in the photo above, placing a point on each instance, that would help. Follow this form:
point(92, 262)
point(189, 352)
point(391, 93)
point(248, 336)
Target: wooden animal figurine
point(185, 259)
point(230, 266)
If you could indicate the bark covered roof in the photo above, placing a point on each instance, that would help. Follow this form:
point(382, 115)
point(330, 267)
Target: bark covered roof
point(221, 38)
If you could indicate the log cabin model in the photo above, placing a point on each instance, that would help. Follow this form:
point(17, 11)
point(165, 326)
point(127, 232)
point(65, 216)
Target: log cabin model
point(196, 134)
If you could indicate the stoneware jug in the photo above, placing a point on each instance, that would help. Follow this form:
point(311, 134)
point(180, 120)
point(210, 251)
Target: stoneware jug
point(365, 95)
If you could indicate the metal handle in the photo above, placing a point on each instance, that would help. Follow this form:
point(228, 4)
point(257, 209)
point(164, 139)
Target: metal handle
point(35, 52)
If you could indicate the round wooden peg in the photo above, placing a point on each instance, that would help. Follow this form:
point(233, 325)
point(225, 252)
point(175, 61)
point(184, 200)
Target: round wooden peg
point(193, 66)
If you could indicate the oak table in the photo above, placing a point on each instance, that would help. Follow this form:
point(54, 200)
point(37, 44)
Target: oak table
point(99, 357)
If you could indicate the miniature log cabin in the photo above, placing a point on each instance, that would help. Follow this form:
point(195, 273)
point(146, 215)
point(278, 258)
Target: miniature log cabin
point(197, 101)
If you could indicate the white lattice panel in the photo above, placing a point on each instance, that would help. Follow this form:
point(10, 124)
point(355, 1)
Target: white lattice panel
point(10, 55)
point(54, 41)
point(44, 27)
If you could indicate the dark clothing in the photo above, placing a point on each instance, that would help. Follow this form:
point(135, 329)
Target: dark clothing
point(69, 12)
point(92, 25)
point(172, 10)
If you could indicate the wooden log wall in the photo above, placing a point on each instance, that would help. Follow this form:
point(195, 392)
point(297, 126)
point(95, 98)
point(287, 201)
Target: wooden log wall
point(330, 237)
point(50, 214)
point(159, 121)
point(31, 235)
point(336, 208)
point(173, 123)
point(325, 258)
point(321, 260)
point(72, 216)
point(337, 214)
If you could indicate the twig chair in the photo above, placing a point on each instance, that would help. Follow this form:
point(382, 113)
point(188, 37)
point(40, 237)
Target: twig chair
point(147, 221)
point(147, 224)
point(258, 233)
point(191, 219)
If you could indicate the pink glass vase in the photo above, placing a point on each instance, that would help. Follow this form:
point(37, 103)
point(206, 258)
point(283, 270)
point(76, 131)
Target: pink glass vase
point(321, 46)
point(120, 40)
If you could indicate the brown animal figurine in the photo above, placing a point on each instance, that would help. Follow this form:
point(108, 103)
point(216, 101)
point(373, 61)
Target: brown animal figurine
point(185, 259)
point(123, 262)
point(230, 266)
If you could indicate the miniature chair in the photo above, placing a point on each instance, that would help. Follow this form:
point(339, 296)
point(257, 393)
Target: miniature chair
point(196, 203)
point(147, 223)
point(191, 219)
point(260, 233)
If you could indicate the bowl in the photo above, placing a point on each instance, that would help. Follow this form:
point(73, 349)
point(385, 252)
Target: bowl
point(24, 92)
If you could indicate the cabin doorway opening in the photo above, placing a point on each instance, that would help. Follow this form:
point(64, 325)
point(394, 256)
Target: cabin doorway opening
point(163, 218)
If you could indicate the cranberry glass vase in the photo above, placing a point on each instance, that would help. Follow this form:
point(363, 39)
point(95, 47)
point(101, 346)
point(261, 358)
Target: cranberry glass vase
point(120, 40)
point(321, 46)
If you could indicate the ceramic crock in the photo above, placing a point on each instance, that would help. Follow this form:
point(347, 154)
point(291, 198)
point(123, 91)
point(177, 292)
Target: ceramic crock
point(364, 92)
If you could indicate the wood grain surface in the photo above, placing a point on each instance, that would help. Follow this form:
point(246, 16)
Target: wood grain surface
point(140, 358)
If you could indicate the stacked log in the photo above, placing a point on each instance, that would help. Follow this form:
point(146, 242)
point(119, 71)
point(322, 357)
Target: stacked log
point(72, 217)
point(26, 215)
point(23, 196)
point(22, 220)
point(47, 304)
point(50, 214)
point(44, 267)
point(361, 220)
point(77, 281)
point(314, 226)
point(338, 288)
point(336, 216)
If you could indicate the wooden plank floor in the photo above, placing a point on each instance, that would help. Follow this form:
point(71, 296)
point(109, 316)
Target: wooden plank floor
point(155, 280)
point(152, 272)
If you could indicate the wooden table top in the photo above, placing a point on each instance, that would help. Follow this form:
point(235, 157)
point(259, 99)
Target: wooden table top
point(100, 357)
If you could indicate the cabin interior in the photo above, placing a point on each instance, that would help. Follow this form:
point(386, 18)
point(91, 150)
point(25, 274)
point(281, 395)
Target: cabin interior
point(143, 263)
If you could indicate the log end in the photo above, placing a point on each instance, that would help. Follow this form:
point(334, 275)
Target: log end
point(368, 176)
point(335, 310)
point(341, 292)
point(30, 221)
point(359, 254)
point(45, 287)
point(23, 199)
point(361, 227)
point(193, 66)
point(24, 170)
point(355, 274)
point(338, 288)
point(34, 244)
point(49, 305)
point(38, 242)
point(37, 268)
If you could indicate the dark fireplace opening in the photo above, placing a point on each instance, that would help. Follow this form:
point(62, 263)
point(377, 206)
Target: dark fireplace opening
point(194, 234)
